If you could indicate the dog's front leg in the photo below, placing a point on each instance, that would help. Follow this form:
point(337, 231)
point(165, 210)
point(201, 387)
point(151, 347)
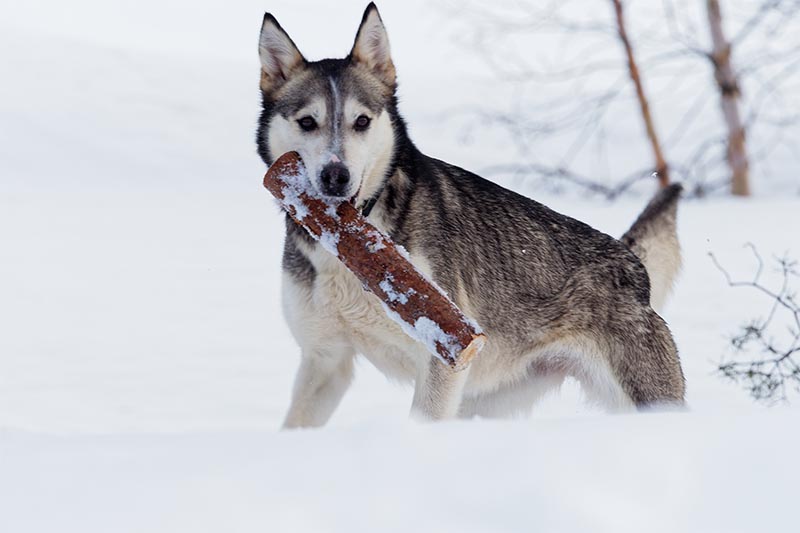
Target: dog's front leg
point(437, 392)
point(321, 381)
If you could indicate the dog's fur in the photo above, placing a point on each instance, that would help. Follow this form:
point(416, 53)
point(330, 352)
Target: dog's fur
point(555, 297)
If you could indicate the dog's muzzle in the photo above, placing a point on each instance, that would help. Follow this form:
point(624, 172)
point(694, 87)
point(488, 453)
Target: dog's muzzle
point(335, 180)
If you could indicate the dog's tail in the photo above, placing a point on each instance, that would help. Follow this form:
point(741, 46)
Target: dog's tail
point(654, 239)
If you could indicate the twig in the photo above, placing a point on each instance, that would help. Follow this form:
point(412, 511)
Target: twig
point(775, 365)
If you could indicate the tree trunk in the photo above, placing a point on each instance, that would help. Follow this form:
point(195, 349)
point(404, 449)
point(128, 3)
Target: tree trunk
point(662, 170)
point(729, 98)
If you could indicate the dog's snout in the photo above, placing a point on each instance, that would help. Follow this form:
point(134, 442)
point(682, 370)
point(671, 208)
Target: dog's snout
point(335, 179)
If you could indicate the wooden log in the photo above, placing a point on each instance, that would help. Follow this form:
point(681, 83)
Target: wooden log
point(421, 308)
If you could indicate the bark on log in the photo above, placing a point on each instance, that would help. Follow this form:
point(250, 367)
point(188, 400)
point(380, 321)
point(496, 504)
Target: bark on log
point(422, 309)
point(729, 99)
point(662, 169)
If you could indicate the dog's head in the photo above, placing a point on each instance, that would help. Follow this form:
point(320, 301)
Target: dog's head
point(336, 113)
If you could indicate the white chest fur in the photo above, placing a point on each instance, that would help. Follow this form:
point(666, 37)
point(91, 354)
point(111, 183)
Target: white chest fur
point(338, 311)
point(338, 307)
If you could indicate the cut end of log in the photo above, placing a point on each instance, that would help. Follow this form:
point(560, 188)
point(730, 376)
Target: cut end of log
point(289, 164)
point(472, 349)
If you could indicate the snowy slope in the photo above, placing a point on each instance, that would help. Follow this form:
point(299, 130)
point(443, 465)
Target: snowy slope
point(145, 366)
point(659, 473)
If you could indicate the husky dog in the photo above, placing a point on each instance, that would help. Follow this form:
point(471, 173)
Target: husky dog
point(555, 297)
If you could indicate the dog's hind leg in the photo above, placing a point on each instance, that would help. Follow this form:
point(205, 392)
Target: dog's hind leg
point(642, 362)
point(600, 385)
point(322, 379)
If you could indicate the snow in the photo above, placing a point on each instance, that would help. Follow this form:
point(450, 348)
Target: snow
point(377, 242)
point(145, 366)
point(330, 210)
point(429, 333)
point(392, 294)
point(402, 251)
point(330, 241)
point(291, 202)
point(566, 475)
point(297, 184)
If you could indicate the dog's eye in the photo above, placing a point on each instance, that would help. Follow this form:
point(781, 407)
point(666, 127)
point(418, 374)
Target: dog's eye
point(307, 123)
point(362, 123)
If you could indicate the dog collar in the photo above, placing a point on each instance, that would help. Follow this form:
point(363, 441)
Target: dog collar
point(366, 209)
point(369, 204)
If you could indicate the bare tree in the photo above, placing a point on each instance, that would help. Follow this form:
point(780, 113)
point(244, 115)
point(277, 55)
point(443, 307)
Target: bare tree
point(582, 136)
point(768, 30)
point(730, 92)
point(661, 168)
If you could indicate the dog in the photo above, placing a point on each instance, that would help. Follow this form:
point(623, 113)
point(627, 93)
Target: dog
point(555, 297)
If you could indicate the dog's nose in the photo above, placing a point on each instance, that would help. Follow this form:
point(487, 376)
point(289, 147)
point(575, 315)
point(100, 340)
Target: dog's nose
point(335, 178)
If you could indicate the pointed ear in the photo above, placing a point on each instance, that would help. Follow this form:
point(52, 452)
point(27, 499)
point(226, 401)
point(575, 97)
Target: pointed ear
point(372, 46)
point(280, 58)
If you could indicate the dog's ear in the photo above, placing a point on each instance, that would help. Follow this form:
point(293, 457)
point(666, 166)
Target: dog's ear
point(372, 46)
point(280, 58)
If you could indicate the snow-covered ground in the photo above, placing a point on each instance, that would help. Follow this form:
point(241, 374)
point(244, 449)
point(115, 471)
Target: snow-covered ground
point(145, 366)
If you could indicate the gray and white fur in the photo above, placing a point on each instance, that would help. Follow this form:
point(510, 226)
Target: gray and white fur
point(556, 297)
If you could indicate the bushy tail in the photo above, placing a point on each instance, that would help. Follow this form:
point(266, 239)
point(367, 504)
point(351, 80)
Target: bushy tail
point(654, 239)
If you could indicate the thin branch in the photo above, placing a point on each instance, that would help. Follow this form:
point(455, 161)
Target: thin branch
point(766, 377)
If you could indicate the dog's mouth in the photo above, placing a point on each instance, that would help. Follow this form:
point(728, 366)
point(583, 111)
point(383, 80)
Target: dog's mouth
point(352, 199)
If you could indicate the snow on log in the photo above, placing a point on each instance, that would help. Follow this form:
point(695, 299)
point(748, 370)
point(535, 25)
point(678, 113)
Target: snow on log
point(418, 305)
